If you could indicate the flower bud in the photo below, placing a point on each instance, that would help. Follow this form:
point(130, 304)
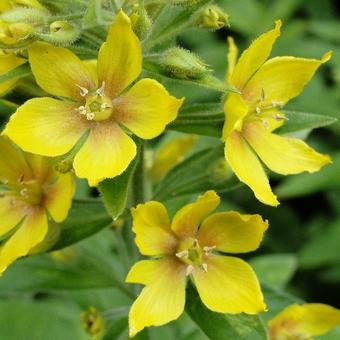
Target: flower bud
point(141, 22)
point(183, 64)
point(185, 3)
point(64, 166)
point(12, 33)
point(27, 3)
point(93, 323)
point(211, 17)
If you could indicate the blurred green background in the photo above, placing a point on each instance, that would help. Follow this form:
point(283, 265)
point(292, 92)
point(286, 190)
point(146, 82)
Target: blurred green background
point(42, 296)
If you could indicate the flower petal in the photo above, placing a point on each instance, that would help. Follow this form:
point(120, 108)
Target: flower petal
point(232, 59)
point(310, 319)
point(229, 286)
point(30, 233)
point(162, 300)
point(282, 154)
point(254, 56)
point(58, 71)
point(281, 79)
point(187, 220)
point(152, 228)
point(235, 109)
point(232, 232)
point(248, 168)
point(106, 153)
point(12, 162)
point(46, 126)
point(146, 108)
point(59, 197)
point(11, 213)
point(120, 57)
point(9, 62)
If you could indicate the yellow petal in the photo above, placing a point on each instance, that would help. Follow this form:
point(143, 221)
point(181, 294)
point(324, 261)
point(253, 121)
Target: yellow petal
point(232, 232)
point(42, 167)
point(231, 58)
point(229, 286)
point(145, 272)
point(152, 227)
point(281, 79)
point(146, 108)
point(187, 220)
point(106, 153)
point(170, 154)
point(282, 154)
point(311, 319)
point(235, 109)
point(248, 168)
point(120, 57)
point(7, 63)
point(12, 162)
point(162, 300)
point(58, 71)
point(91, 66)
point(46, 126)
point(11, 213)
point(254, 56)
point(59, 197)
point(30, 233)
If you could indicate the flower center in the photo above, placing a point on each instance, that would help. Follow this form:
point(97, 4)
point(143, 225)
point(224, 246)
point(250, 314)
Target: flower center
point(192, 254)
point(98, 106)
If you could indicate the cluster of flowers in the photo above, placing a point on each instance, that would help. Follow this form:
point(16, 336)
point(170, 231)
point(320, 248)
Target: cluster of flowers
point(94, 108)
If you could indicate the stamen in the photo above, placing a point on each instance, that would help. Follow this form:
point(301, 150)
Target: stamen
point(23, 192)
point(265, 123)
point(276, 104)
point(189, 270)
point(258, 110)
point(207, 250)
point(101, 90)
point(104, 106)
point(83, 91)
point(21, 178)
point(90, 115)
point(182, 254)
point(205, 267)
point(262, 96)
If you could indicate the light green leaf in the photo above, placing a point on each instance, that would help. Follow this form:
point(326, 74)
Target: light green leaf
point(275, 269)
point(85, 218)
point(219, 326)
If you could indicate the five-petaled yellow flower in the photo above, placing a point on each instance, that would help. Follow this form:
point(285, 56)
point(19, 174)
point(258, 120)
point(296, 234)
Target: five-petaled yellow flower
point(191, 246)
point(265, 87)
point(31, 193)
point(302, 322)
point(95, 103)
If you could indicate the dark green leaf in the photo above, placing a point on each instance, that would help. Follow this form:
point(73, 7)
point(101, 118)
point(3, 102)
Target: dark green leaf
point(219, 326)
point(298, 121)
point(86, 218)
point(204, 170)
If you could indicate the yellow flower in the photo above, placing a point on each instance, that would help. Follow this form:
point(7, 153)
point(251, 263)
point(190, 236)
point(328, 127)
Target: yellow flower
point(6, 5)
point(302, 322)
point(265, 87)
point(30, 191)
point(170, 154)
point(51, 127)
point(189, 246)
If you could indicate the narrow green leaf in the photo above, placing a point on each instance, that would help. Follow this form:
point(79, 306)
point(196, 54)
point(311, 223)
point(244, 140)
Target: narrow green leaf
point(18, 72)
point(219, 326)
point(115, 191)
point(86, 218)
point(93, 15)
point(202, 171)
point(297, 121)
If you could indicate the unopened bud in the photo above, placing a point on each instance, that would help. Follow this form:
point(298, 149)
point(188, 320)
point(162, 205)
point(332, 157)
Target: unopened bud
point(183, 64)
point(93, 322)
point(64, 166)
point(141, 22)
point(211, 17)
point(118, 223)
point(32, 16)
point(27, 3)
point(185, 3)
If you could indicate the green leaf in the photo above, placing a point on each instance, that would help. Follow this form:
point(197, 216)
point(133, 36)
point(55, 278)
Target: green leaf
point(204, 170)
point(275, 269)
point(115, 191)
point(93, 14)
point(18, 72)
point(201, 119)
point(219, 326)
point(298, 121)
point(306, 184)
point(85, 218)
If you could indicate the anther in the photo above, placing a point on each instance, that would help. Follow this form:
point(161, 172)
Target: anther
point(101, 90)
point(207, 250)
point(205, 267)
point(21, 178)
point(262, 96)
point(276, 104)
point(182, 254)
point(23, 192)
point(189, 270)
point(90, 115)
point(258, 110)
point(83, 91)
point(265, 123)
